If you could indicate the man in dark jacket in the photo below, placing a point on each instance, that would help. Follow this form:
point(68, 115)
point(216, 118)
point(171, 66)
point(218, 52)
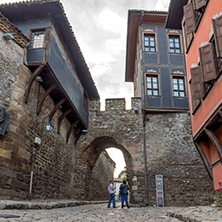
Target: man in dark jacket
point(124, 193)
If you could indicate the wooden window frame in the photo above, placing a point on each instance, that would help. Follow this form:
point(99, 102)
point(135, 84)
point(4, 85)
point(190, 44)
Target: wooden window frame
point(179, 76)
point(180, 42)
point(155, 41)
point(158, 84)
point(31, 34)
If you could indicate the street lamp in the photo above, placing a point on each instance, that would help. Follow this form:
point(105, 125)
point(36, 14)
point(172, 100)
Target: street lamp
point(49, 126)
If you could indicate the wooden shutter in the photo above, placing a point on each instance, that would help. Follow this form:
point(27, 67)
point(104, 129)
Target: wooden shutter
point(207, 60)
point(190, 22)
point(217, 26)
point(197, 86)
point(199, 3)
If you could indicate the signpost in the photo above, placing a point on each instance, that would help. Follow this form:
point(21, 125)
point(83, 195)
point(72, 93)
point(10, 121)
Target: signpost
point(159, 191)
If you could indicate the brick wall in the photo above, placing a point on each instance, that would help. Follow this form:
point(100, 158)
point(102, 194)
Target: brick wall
point(59, 169)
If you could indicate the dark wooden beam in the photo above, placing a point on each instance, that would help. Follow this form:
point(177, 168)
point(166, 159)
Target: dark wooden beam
point(61, 119)
point(204, 159)
point(78, 133)
point(56, 107)
point(71, 128)
point(215, 141)
point(31, 80)
point(47, 92)
point(220, 112)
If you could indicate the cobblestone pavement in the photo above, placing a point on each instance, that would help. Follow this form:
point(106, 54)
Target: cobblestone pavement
point(100, 213)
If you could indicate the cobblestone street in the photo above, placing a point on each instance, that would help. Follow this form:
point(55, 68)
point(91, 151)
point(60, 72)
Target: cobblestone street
point(100, 213)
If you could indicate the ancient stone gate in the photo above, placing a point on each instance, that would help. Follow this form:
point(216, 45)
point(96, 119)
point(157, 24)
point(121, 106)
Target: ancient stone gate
point(169, 149)
point(118, 128)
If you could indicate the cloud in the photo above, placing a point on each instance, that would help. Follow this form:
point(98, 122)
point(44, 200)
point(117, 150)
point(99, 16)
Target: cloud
point(100, 28)
point(162, 5)
point(110, 21)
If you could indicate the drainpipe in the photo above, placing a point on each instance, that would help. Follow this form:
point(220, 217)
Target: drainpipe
point(34, 148)
point(143, 110)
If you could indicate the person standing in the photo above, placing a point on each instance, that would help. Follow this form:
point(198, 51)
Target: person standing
point(124, 193)
point(111, 190)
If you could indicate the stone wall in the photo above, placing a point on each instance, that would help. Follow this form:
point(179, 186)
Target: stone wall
point(102, 173)
point(63, 170)
point(169, 147)
point(171, 153)
point(59, 168)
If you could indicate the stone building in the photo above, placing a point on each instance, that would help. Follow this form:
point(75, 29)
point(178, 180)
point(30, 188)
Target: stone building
point(154, 136)
point(201, 24)
point(54, 86)
point(156, 66)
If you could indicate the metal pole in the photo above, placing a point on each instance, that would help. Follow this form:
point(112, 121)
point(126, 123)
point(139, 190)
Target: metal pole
point(33, 149)
point(143, 111)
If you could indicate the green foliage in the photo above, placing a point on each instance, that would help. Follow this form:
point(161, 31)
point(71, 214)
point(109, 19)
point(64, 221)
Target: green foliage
point(124, 177)
point(218, 195)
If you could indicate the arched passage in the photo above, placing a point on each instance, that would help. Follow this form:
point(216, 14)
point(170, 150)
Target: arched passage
point(92, 153)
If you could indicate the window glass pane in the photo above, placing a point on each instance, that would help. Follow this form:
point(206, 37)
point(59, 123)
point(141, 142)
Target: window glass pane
point(175, 81)
point(171, 44)
point(152, 44)
point(175, 86)
point(147, 49)
point(181, 87)
point(37, 39)
point(154, 79)
point(146, 43)
point(155, 86)
point(176, 94)
point(148, 79)
point(176, 40)
point(149, 92)
point(181, 81)
point(177, 51)
point(151, 39)
point(152, 50)
point(155, 92)
point(149, 86)
point(182, 94)
point(171, 50)
point(170, 40)
point(177, 45)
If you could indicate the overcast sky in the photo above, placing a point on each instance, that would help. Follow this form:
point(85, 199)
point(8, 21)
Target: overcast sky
point(100, 28)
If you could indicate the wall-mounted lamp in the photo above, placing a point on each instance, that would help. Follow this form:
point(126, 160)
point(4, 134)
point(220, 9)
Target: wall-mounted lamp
point(8, 36)
point(39, 79)
point(84, 131)
point(49, 126)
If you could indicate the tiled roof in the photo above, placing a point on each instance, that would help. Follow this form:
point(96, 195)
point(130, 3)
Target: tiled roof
point(20, 38)
point(148, 11)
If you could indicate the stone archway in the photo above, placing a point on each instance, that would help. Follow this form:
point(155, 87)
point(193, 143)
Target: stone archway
point(92, 153)
point(119, 128)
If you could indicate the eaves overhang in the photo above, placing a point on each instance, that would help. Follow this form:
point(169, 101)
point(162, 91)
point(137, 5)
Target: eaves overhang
point(175, 14)
point(53, 8)
point(134, 19)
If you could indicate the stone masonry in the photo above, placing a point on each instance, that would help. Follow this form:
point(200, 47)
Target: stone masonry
point(169, 147)
point(67, 170)
point(54, 161)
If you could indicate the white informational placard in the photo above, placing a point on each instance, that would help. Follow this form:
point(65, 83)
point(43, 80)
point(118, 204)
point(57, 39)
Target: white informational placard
point(159, 191)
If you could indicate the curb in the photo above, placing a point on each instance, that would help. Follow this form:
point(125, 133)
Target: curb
point(181, 217)
point(36, 205)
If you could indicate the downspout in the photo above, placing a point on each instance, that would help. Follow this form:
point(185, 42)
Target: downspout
point(34, 148)
point(143, 109)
